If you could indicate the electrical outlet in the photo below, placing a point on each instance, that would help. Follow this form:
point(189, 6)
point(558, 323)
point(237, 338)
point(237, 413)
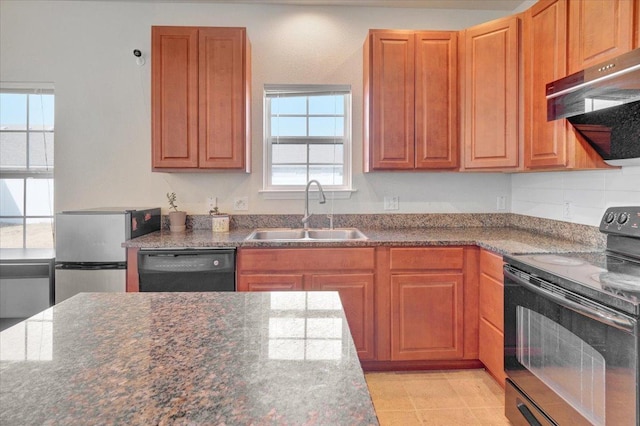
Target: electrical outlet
point(391, 203)
point(241, 203)
point(567, 210)
point(501, 202)
point(212, 202)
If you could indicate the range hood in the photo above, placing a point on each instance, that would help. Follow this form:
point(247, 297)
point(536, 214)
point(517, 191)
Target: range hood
point(603, 105)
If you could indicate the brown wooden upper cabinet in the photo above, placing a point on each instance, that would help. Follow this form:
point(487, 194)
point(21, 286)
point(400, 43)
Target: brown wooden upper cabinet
point(410, 100)
point(550, 145)
point(200, 98)
point(599, 30)
point(490, 53)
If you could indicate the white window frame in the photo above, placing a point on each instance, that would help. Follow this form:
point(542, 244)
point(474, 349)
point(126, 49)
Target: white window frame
point(28, 173)
point(289, 191)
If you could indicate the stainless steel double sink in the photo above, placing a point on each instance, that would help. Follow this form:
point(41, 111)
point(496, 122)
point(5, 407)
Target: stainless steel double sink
point(287, 234)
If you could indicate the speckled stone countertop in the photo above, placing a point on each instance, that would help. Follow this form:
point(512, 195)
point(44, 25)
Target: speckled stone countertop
point(184, 358)
point(502, 240)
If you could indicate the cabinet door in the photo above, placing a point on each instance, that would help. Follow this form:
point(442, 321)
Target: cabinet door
point(356, 294)
point(426, 316)
point(492, 350)
point(491, 95)
point(389, 81)
point(270, 282)
point(222, 75)
point(545, 143)
point(436, 100)
point(599, 30)
point(491, 332)
point(174, 97)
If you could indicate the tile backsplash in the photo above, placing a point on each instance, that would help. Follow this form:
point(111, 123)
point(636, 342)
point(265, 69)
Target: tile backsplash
point(578, 197)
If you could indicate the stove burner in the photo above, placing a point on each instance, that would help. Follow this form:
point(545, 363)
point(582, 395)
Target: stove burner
point(614, 280)
point(558, 260)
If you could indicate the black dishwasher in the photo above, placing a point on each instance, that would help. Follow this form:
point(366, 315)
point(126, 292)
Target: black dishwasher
point(164, 270)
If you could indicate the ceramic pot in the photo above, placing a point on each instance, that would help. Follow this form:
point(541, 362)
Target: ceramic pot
point(177, 221)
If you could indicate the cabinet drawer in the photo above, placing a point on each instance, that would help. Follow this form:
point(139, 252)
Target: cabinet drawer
point(492, 301)
point(301, 259)
point(270, 282)
point(491, 264)
point(426, 258)
point(492, 350)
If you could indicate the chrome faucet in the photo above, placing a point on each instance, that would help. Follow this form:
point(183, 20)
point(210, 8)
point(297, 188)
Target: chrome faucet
point(323, 199)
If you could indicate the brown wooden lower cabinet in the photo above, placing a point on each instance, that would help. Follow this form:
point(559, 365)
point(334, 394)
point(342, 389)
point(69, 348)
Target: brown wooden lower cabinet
point(427, 316)
point(491, 333)
point(406, 307)
point(349, 271)
point(270, 282)
point(356, 294)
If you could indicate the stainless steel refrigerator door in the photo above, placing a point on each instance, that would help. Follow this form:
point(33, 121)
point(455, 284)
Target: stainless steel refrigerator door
point(70, 282)
point(90, 237)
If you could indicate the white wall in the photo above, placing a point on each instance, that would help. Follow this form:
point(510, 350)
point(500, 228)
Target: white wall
point(103, 148)
point(103, 137)
point(588, 193)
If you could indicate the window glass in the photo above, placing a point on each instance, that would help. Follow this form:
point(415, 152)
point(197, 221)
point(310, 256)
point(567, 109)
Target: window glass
point(13, 111)
point(329, 104)
point(289, 105)
point(326, 126)
point(26, 168)
point(288, 153)
point(289, 175)
point(39, 233)
point(11, 197)
point(40, 149)
point(332, 154)
point(41, 112)
point(288, 126)
point(307, 136)
point(39, 197)
point(326, 175)
point(13, 150)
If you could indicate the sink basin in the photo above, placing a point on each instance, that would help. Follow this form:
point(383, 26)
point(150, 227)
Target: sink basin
point(277, 234)
point(336, 234)
point(339, 234)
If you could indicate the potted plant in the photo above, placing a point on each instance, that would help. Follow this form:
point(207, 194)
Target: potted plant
point(177, 219)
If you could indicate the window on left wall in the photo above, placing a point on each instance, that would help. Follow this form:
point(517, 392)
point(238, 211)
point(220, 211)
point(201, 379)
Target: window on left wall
point(26, 167)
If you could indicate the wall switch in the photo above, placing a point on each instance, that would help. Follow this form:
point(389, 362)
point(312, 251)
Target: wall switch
point(391, 203)
point(501, 203)
point(567, 210)
point(241, 203)
point(212, 202)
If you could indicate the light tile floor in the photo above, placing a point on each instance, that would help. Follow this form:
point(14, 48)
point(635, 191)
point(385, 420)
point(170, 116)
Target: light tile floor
point(452, 397)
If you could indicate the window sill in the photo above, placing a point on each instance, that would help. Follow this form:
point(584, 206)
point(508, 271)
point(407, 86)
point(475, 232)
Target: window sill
point(298, 194)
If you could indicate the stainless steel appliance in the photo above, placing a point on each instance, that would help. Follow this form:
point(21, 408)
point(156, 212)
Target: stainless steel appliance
point(89, 252)
point(603, 105)
point(571, 331)
point(166, 270)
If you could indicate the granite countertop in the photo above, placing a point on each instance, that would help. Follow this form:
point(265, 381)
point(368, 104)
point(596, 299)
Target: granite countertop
point(184, 358)
point(502, 240)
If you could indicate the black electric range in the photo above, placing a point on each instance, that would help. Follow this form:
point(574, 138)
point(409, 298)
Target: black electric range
point(572, 331)
point(611, 277)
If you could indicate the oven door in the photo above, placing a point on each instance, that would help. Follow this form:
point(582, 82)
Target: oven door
point(574, 359)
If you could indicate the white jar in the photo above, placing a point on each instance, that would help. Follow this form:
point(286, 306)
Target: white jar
point(220, 223)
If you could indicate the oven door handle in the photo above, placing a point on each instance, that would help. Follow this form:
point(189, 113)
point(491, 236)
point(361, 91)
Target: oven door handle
point(606, 317)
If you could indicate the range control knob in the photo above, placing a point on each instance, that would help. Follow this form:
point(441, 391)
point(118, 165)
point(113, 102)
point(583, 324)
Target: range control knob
point(609, 217)
point(623, 218)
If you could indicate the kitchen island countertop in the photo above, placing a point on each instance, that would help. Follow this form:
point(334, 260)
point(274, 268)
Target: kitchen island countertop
point(184, 358)
point(502, 240)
